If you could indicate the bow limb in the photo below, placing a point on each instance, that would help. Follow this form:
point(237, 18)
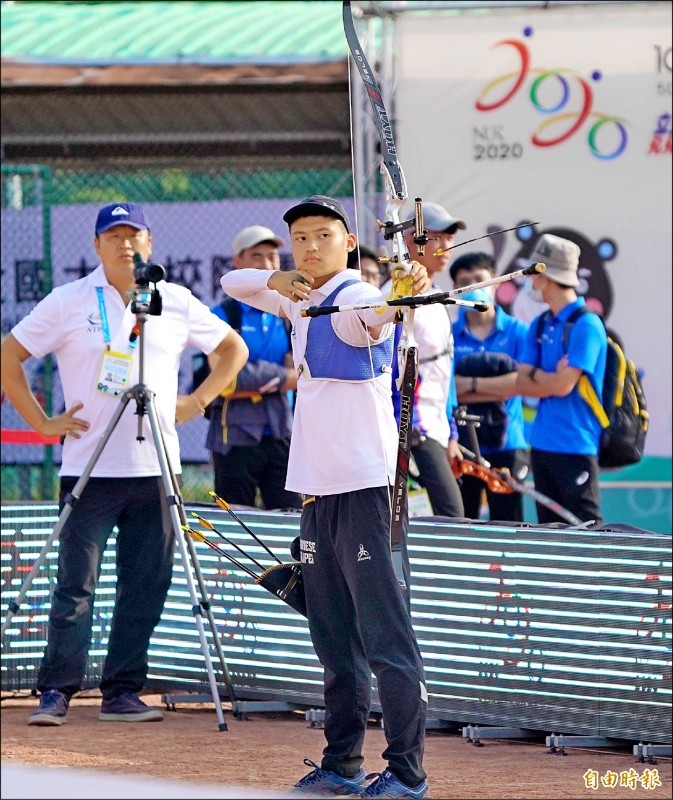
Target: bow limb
point(393, 176)
point(407, 354)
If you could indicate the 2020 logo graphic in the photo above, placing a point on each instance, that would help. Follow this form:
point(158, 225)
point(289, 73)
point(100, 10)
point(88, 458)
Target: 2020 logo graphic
point(562, 95)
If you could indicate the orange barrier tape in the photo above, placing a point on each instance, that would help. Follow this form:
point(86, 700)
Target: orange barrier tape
point(27, 437)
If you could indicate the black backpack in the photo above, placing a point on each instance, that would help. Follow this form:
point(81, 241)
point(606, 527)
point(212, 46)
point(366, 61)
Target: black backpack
point(622, 407)
point(200, 367)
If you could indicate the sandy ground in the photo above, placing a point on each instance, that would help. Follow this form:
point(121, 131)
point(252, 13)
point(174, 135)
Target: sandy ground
point(266, 752)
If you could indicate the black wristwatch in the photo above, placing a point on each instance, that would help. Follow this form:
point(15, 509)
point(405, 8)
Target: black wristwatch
point(474, 384)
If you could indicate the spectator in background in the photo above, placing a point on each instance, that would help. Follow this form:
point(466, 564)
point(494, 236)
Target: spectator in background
point(88, 324)
point(488, 345)
point(566, 433)
point(434, 442)
point(366, 260)
point(250, 424)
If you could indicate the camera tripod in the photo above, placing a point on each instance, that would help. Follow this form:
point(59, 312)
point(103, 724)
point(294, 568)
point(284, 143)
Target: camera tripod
point(144, 399)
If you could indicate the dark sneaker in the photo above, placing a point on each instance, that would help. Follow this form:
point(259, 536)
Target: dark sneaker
point(127, 708)
point(52, 710)
point(387, 785)
point(321, 782)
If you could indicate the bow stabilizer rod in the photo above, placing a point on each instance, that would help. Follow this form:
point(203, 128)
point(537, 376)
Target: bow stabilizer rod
point(504, 476)
point(533, 269)
point(446, 298)
point(400, 302)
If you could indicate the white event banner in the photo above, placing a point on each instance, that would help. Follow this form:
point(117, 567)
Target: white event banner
point(559, 118)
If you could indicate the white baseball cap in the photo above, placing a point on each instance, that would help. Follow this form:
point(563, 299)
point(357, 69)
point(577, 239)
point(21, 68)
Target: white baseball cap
point(437, 218)
point(253, 235)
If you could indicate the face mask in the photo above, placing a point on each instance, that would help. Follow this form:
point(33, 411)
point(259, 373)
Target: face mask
point(483, 295)
point(535, 294)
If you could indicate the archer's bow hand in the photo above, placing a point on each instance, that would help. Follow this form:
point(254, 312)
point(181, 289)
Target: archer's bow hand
point(295, 285)
point(414, 282)
point(453, 451)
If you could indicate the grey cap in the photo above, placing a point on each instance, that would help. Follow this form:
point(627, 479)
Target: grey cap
point(561, 256)
point(253, 235)
point(437, 218)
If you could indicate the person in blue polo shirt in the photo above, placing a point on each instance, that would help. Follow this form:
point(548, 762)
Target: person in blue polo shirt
point(565, 434)
point(251, 422)
point(493, 342)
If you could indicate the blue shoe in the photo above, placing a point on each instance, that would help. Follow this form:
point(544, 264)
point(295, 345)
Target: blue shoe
point(127, 707)
point(322, 782)
point(387, 785)
point(52, 710)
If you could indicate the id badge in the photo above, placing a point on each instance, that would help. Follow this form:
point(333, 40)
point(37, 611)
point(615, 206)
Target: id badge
point(115, 373)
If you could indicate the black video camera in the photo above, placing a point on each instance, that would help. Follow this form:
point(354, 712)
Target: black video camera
point(145, 273)
point(145, 301)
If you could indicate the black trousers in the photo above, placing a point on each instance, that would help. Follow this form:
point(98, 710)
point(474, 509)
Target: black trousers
point(506, 507)
point(244, 469)
point(571, 480)
point(145, 548)
point(436, 477)
point(360, 623)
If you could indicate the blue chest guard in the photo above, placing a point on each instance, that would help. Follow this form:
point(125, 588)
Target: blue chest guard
point(329, 358)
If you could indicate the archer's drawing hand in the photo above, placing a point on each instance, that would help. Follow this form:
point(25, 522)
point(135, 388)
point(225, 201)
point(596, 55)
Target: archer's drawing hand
point(294, 285)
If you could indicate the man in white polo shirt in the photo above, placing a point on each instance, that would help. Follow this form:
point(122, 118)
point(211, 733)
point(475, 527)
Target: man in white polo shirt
point(91, 328)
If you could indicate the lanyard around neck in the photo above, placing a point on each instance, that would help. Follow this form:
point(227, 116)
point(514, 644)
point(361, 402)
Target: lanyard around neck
point(105, 325)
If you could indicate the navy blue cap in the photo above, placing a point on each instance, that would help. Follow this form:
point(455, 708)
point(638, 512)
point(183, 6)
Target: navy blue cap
point(121, 214)
point(318, 205)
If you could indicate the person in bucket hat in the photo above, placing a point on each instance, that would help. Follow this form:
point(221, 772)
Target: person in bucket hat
point(565, 435)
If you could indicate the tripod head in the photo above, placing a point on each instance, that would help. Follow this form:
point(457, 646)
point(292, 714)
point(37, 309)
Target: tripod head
point(144, 301)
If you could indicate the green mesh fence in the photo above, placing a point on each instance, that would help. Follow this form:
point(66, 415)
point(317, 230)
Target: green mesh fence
point(180, 185)
point(48, 216)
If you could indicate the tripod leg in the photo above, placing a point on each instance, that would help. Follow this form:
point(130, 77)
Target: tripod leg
point(174, 502)
point(69, 503)
point(206, 606)
point(205, 603)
